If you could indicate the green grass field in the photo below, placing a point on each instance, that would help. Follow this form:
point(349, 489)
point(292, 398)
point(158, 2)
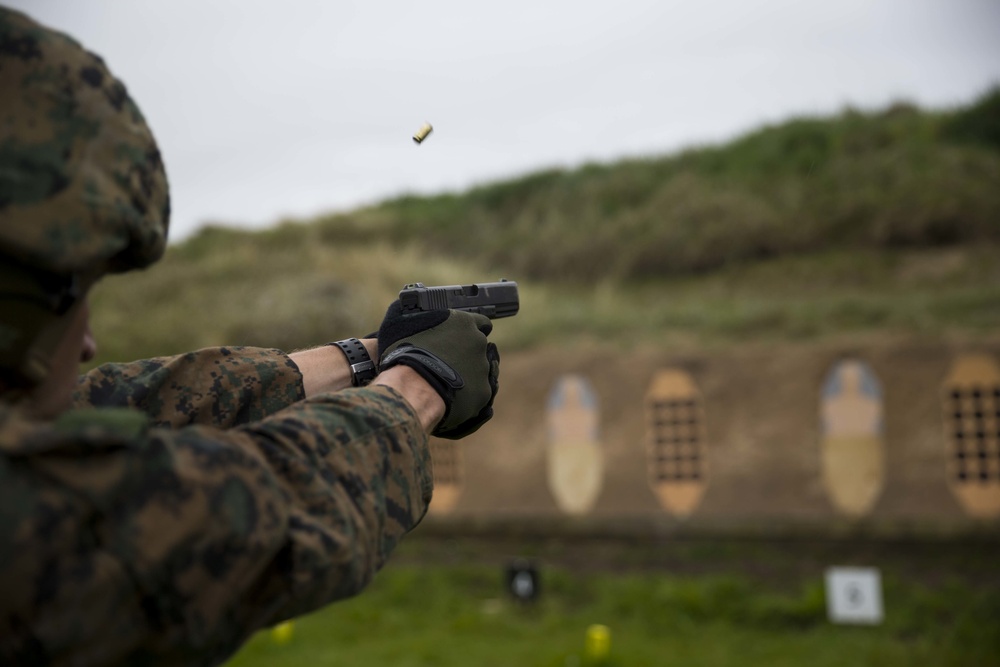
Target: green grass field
point(458, 616)
point(444, 612)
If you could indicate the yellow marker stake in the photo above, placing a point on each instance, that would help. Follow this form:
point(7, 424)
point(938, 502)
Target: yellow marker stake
point(598, 644)
point(422, 133)
point(282, 632)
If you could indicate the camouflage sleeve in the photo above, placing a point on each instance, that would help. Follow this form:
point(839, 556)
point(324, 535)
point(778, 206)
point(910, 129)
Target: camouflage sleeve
point(172, 547)
point(220, 386)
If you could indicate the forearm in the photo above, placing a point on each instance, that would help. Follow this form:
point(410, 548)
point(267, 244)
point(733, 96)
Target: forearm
point(221, 386)
point(326, 368)
point(226, 387)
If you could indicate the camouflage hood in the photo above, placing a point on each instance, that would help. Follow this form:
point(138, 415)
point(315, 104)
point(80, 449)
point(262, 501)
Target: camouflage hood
point(83, 191)
point(82, 185)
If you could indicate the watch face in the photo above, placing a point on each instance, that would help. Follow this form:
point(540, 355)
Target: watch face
point(363, 373)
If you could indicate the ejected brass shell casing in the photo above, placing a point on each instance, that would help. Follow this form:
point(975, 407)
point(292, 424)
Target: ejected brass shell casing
point(423, 132)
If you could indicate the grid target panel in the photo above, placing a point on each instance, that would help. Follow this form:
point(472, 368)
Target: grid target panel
point(447, 463)
point(675, 432)
point(677, 465)
point(970, 396)
point(973, 415)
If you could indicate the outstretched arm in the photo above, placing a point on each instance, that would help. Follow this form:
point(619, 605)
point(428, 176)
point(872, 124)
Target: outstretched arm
point(219, 386)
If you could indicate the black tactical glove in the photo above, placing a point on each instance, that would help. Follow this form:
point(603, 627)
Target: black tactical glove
point(448, 348)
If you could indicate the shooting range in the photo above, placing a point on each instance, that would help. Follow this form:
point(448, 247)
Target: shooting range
point(749, 404)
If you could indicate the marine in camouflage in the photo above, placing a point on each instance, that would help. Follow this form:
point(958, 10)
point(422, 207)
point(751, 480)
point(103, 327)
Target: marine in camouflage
point(187, 501)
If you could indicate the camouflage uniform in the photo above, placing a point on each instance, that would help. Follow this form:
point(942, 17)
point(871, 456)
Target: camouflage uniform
point(126, 542)
point(186, 501)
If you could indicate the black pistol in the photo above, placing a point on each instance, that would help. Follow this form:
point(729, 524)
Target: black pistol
point(493, 300)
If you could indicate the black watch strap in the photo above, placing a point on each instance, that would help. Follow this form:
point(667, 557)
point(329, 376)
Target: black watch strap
point(362, 367)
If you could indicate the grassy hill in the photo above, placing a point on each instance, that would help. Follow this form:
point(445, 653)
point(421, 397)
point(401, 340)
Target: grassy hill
point(891, 179)
point(862, 223)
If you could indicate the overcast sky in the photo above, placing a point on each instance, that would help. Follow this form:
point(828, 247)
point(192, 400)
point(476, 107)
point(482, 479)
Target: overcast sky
point(266, 109)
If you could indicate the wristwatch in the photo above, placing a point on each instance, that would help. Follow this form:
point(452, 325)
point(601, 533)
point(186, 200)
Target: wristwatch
point(362, 367)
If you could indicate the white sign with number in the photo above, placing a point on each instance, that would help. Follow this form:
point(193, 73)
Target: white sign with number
point(854, 595)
